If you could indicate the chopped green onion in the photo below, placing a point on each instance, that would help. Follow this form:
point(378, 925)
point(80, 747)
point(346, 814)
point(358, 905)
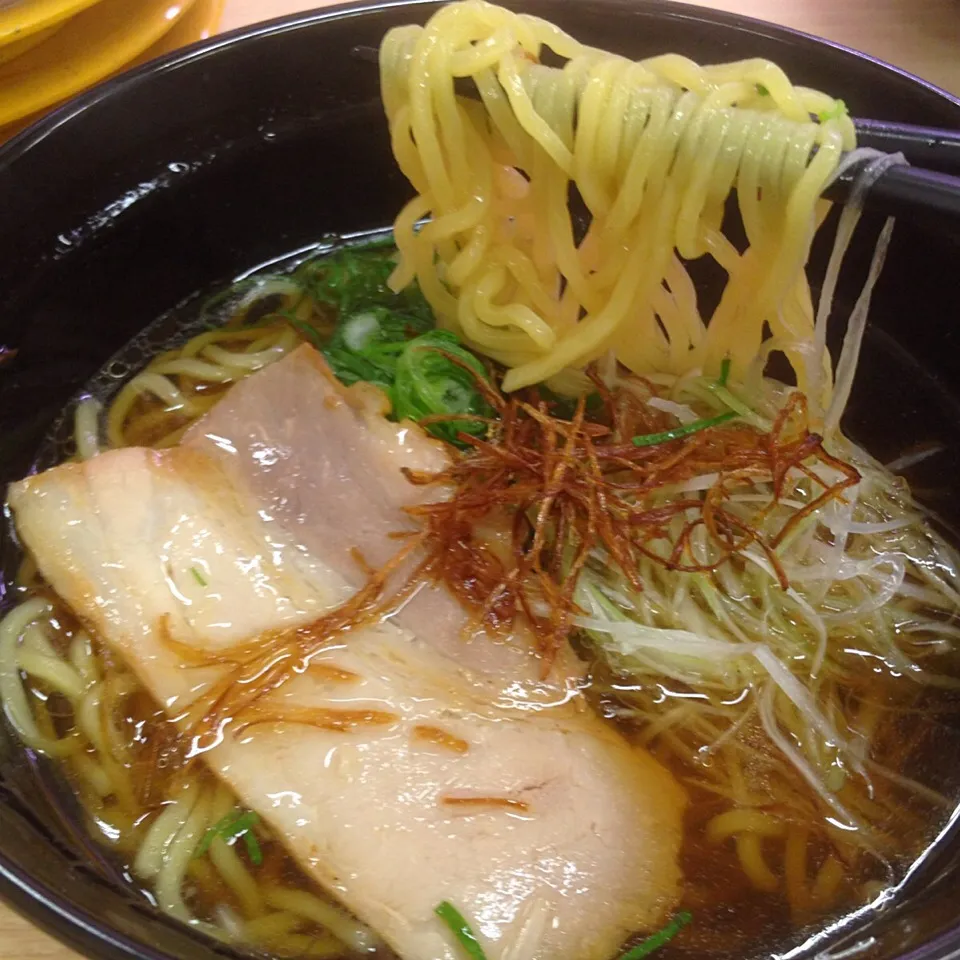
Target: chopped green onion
point(429, 381)
point(762, 90)
point(367, 344)
point(357, 278)
point(839, 109)
point(215, 831)
point(254, 853)
point(425, 375)
point(714, 390)
point(231, 828)
point(658, 939)
point(467, 939)
point(651, 439)
point(198, 576)
point(724, 372)
point(307, 331)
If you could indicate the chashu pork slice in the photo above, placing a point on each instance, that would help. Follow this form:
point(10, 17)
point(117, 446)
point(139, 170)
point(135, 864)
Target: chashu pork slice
point(421, 777)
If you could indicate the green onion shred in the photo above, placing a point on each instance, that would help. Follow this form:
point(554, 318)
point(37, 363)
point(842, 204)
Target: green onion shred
point(367, 344)
point(198, 576)
point(657, 940)
point(839, 109)
point(425, 374)
point(357, 277)
point(724, 372)
point(230, 829)
point(429, 381)
point(652, 439)
point(467, 939)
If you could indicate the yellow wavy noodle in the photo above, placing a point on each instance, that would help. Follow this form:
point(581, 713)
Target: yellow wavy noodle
point(654, 149)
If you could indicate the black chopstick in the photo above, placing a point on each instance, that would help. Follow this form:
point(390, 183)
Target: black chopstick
point(925, 190)
point(907, 192)
point(928, 147)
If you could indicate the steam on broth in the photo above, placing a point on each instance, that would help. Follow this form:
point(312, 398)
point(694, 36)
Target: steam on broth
point(490, 542)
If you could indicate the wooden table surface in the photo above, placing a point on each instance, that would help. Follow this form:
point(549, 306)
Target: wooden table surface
point(922, 36)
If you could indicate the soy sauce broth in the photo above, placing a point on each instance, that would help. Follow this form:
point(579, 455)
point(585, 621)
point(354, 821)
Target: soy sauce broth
point(732, 919)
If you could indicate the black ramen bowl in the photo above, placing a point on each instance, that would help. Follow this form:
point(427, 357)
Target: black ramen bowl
point(237, 152)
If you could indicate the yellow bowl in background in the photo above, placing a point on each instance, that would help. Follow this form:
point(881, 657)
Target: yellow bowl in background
point(25, 18)
point(200, 22)
point(11, 51)
point(89, 47)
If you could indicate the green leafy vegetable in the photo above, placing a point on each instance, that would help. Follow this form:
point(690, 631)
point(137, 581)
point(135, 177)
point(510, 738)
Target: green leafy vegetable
point(428, 382)
point(254, 853)
point(230, 829)
point(348, 279)
point(198, 576)
point(467, 939)
point(762, 90)
point(355, 279)
point(724, 372)
point(658, 939)
point(651, 439)
point(839, 109)
point(424, 373)
point(309, 332)
point(367, 345)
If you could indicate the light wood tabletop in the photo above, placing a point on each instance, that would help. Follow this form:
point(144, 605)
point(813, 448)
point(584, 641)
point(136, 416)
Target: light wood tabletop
point(922, 36)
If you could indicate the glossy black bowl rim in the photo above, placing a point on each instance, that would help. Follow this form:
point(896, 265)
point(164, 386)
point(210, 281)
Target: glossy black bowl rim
point(71, 924)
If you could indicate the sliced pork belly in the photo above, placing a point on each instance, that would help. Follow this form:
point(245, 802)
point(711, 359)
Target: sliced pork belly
point(326, 467)
point(424, 778)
